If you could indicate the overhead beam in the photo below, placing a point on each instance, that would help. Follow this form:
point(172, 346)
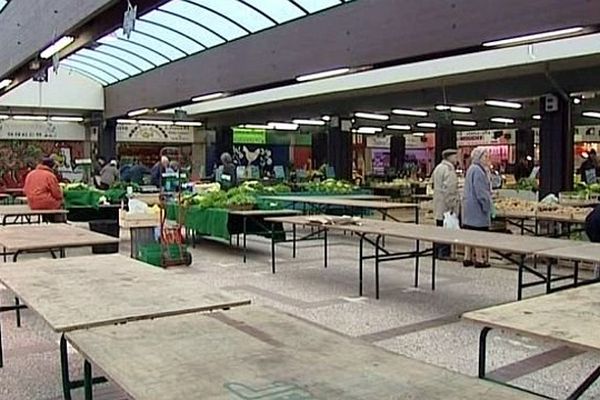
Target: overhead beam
point(87, 22)
point(26, 27)
point(365, 32)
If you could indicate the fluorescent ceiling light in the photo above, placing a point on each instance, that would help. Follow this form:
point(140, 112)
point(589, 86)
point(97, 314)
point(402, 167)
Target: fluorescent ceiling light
point(135, 113)
point(5, 83)
point(504, 104)
point(155, 122)
point(188, 123)
point(210, 96)
point(502, 120)
point(2, 116)
point(314, 122)
point(67, 119)
point(411, 113)
point(282, 126)
point(369, 129)
point(419, 134)
point(455, 109)
point(324, 74)
point(57, 46)
point(398, 127)
point(378, 117)
point(126, 121)
point(30, 117)
point(326, 118)
point(537, 117)
point(591, 114)
point(534, 37)
point(255, 126)
point(427, 125)
point(576, 100)
point(458, 122)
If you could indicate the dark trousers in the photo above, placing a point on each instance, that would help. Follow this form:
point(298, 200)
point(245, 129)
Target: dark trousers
point(441, 250)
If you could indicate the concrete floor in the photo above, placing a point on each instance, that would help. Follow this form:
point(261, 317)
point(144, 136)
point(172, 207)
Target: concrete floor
point(418, 323)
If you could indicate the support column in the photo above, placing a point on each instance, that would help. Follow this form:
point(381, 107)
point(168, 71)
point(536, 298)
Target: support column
point(397, 152)
point(223, 140)
point(445, 138)
point(319, 148)
point(107, 140)
point(556, 145)
point(199, 154)
point(339, 148)
point(524, 143)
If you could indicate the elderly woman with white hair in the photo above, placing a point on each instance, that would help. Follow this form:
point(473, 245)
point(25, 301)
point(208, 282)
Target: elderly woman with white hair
point(477, 204)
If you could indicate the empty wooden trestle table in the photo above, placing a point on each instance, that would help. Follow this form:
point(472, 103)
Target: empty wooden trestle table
point(571, 317)
point(350, 205)
point(252, 353)
point(22, 214)
point(511, 247)
point(91, 291)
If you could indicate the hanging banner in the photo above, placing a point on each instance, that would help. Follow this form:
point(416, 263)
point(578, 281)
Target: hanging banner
point(154, 133)
point(41, 130)
point(487, 137)
point(249, 136)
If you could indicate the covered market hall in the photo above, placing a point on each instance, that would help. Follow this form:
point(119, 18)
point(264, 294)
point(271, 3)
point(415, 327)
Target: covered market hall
point(299, 199)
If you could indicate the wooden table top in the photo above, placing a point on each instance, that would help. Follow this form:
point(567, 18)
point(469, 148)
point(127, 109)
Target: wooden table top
point(266, 213)
point(569, 316)
point(83, 292)
point(344, 202)
point(588, 252)
point(24, 209)
point(50, 236)
point(428, 233)
point(257, 353)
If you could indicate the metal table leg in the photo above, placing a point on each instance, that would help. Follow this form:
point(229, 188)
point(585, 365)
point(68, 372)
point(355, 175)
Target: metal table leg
point(325, 248)
point(273, 247)
point(87, 380)
point(433, 262)
point(417, 257)
point(293, 240)
point(360, 265)
point(244, 223)
point(377, 241)
point(64, 365)
point(483, 351)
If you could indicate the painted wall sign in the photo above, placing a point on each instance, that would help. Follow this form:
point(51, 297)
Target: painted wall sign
point(249, 136)
point(154, 133)
point(486, 137)
point(41, 130)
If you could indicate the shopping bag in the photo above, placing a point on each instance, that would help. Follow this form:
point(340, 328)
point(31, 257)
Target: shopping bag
point(451, 221)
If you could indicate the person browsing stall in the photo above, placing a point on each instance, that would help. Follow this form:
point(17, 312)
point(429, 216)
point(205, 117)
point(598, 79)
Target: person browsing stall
point(158, 169)
point(445, 193)
point(42, 188)
point(109, 175)
point(478, 204)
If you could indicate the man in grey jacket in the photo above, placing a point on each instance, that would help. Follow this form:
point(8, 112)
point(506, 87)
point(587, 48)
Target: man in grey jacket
point(445, 194)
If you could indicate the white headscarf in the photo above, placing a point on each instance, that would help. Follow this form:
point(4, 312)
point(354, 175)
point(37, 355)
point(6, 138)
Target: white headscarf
point(477, 154)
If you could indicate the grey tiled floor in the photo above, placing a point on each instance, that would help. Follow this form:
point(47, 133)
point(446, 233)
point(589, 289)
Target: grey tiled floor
point(417, 323)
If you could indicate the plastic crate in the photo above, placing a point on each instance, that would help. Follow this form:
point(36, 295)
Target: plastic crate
point(152, 253)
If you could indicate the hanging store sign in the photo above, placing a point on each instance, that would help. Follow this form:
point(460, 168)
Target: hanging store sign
point(487, 137)
point(154, 133)
point(249, 136)
point(379, 141)
point(587, 133)
point(41, 130)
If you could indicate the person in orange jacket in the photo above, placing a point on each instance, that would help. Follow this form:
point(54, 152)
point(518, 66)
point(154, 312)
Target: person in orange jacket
point(41, 187)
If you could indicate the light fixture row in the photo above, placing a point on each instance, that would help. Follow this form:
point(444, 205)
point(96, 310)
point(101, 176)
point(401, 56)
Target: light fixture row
point(41, 118)
point(158, 122)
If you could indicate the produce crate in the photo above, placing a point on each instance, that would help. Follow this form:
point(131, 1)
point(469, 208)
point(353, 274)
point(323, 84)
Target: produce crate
point(151, 253)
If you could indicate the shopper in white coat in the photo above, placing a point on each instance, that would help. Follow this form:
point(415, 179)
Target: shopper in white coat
point(445, 194)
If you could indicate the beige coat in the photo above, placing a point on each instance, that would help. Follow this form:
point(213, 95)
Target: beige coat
point(445, 190)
